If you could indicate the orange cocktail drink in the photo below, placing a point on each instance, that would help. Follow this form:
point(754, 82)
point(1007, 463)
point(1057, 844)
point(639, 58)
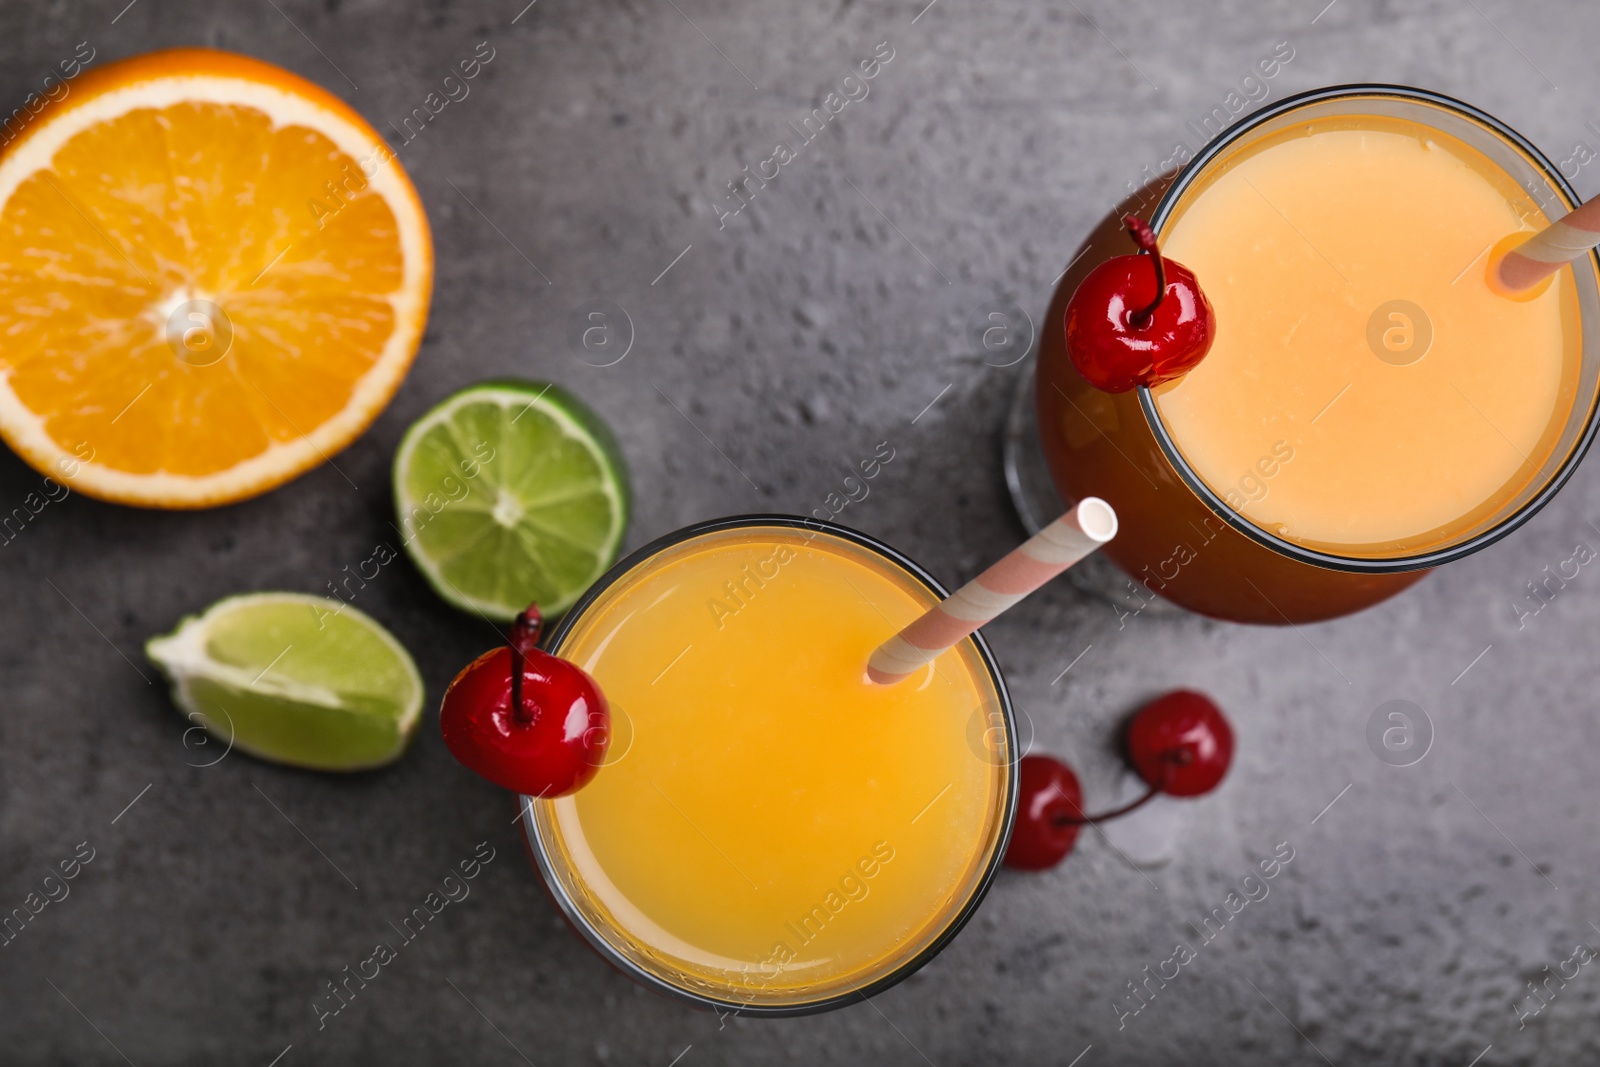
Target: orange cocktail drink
point(1370, 408)
point(772, 831)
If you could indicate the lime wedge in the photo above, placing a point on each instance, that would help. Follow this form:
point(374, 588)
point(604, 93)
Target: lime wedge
point(511, 493)
point(294, 679)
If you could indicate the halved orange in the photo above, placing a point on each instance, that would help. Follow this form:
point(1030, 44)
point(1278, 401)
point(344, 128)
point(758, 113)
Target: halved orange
point(213, 276)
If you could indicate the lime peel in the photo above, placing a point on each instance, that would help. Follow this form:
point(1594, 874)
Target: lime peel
point(262, 703)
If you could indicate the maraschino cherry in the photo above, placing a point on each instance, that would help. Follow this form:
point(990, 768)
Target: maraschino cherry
point(1180, 744)
point(1138, 319)
point(525, 719)
point(1049, 814)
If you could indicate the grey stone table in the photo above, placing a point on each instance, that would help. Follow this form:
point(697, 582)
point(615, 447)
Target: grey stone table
point(771, 349)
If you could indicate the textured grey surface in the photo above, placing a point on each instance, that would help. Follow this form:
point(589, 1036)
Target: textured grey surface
point(821, 320)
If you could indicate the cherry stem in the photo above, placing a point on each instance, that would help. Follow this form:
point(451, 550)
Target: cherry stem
point(1170, 760)
point(1145, 238)
point(1086, 820)
point(524, 639)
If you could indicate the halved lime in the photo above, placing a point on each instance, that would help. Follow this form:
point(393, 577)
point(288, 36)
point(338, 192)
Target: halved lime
point(511, 493)
point(294, 679)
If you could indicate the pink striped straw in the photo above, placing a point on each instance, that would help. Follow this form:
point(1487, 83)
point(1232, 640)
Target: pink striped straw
point(1022, 570)
point(1542, 254)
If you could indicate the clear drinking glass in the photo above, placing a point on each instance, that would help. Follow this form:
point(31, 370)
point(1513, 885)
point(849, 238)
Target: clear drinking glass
point(1118, 447)
point(656, 736)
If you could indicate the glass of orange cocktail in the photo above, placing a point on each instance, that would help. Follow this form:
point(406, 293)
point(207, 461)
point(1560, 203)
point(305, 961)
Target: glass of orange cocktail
point(1369, 409)
point(771, 832)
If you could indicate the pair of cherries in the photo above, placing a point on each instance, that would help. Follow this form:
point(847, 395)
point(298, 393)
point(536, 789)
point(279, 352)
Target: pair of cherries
point(1180, 744)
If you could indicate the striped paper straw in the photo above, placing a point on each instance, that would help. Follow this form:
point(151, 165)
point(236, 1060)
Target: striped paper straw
point(1541, 255)
point(1040, 558)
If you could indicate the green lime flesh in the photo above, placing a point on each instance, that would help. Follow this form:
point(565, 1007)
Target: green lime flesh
point(509, 494)
point(294, 679)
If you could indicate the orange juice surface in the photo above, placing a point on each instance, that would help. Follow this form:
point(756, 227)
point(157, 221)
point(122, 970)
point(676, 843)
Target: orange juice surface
point(769, 824)
point(1367, 394)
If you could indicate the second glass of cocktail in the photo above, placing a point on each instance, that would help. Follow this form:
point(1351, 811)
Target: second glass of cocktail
point(1370, 409)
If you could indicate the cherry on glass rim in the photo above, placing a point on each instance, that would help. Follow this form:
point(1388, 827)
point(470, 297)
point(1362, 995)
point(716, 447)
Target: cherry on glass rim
point(1138, 319)
point(526, 720)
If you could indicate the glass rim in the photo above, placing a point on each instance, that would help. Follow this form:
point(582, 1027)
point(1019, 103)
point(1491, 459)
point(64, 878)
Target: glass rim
point(539, 850)
point(1330, 560)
